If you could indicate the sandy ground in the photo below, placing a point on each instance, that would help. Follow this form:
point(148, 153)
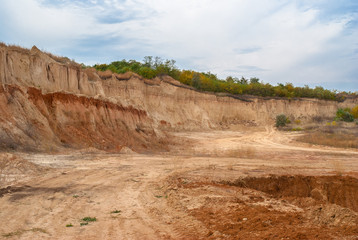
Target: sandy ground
point(250, 183)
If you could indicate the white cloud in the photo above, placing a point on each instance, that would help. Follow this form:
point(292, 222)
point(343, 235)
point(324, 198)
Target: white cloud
point(277, 41)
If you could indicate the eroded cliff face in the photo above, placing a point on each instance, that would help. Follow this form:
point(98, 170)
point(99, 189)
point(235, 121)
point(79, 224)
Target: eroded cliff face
point(31, 120)
point(47, 101)
point(46, 104)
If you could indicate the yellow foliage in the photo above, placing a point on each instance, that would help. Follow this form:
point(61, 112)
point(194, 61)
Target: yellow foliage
point(289, 87)
point(354, 111)
point(186, 77)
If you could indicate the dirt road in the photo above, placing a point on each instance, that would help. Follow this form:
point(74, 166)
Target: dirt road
point(246, 184)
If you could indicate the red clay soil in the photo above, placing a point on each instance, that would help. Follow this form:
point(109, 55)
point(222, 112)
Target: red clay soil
point(338, 190)
point(294, 207)
point(50, 121)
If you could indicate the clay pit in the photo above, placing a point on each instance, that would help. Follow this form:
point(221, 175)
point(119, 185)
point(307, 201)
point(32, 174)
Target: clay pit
point(89, 155)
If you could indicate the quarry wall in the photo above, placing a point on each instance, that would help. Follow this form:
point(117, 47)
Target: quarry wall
point(48, 101)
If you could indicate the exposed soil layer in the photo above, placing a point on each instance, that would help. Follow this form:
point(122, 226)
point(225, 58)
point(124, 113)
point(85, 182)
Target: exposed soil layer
point(15, 169)
point(275, 207)
point(33, 121)
point(340, 190)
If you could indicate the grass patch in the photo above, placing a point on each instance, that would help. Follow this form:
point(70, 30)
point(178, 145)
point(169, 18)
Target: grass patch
point(86, 220)
point(20, 232)
point(116, 211)
point(69, 225)
point(89, 219)
point(332, 139)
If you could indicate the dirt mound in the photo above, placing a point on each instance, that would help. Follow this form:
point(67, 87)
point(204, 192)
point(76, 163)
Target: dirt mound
point(340, 190)
point(274, 207)
point(13, 168)
point(127, 150)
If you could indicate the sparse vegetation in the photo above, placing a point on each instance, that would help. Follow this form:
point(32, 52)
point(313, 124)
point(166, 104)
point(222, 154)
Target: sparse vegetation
point(328, 133)
point(116, 211)
point(89, 219)
point(20, 232)
point(153, 67)
point(344, 115)
point(86, 220)
point(298, 121)
point(69, 225)
point(281, 120)
point(354, 111)
point(333, 123)
point(332, 139)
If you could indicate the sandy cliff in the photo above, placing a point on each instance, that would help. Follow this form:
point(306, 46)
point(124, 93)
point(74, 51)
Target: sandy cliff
point(47, 101)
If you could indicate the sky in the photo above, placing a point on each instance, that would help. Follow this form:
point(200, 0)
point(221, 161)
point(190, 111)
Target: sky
point(304, 42)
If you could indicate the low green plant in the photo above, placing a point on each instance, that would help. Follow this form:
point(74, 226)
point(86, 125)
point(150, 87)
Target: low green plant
point(89, 219)
point(281, 120)
point(344, 115)
point(116, 211)
point(69, 225)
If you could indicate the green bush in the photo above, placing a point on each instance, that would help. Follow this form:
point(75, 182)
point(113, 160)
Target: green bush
point(344, 115)
point(147, 72)
point(281, 120)
point(151, 67)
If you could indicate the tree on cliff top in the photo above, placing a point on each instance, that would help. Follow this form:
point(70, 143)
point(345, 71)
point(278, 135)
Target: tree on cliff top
point(154, 66)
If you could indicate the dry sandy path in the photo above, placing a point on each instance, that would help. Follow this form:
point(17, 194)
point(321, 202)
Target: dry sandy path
point(82, 185)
